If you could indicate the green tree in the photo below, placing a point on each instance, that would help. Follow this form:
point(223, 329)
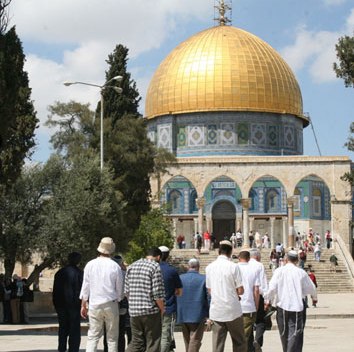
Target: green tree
point(75, 128)
point(345, 55)
point(21, 216)
point(154, 231)
point(17, 116)
point(345, 70)
point(127, 103)
point(59, 207)
point(127, 148)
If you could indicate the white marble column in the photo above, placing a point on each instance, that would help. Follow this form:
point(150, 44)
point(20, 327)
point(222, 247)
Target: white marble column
point(291, 239)
point(271, 232)
point(209, 224)
point(195, 220)
point(285, 231)
point(200, 204)
point(246, 203)
point(238, 224)
point(174, 231)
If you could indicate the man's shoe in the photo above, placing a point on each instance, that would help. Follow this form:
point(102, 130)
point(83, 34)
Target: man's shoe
point(257, 347)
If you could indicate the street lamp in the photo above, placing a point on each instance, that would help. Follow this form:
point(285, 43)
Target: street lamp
point(119, 90)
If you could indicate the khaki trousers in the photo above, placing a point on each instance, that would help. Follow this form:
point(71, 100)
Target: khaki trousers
point(237, 333)
point(193, 335)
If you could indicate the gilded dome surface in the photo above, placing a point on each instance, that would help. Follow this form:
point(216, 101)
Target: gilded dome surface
point(223, 69)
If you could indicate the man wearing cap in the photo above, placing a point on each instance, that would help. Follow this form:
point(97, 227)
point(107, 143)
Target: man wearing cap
point(290, 284)
point(66, 292)
point(173, 288)
point(145, 291)
point(224, 282)
point(193, 307)
point(101, 291)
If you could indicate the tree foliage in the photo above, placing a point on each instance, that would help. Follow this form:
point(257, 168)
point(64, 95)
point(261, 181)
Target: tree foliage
point(4, 15)
point(17, 116)
point(58, 207)
point(127, 148)
point(154, 231)
point(75, 128)
point(345, 55)
point(345, 70)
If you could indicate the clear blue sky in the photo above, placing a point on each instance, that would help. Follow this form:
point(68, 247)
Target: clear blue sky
point(70, 40)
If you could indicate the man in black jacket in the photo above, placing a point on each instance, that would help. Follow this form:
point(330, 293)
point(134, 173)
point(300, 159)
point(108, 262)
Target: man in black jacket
point(66, 291)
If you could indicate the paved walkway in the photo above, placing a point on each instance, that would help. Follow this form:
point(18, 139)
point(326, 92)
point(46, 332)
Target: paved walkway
point(329, 327)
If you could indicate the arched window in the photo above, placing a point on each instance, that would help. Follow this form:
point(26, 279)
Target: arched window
point(176, 202)
point(272, 201)
point(316, 202)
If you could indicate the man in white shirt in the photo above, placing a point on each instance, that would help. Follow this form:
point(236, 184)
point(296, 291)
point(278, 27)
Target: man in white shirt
point(250, 298)
point(256, 342)
point(290, 285)
point(101, 290)
point(224, 283)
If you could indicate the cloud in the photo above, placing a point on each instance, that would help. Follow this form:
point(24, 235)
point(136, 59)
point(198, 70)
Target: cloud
point(315, 51)
point(90, 30)
point(334, 2)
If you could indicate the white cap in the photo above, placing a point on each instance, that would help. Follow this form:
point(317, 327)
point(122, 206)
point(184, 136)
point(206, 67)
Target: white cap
point(293, 254)
point(164, 249)
point(226, 242)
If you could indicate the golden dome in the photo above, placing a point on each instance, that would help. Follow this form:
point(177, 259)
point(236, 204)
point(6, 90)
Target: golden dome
point(223, 69)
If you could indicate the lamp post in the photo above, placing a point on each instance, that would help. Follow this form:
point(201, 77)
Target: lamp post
point(102, 88)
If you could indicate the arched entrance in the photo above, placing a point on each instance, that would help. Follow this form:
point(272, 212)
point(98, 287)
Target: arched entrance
point(224, 216)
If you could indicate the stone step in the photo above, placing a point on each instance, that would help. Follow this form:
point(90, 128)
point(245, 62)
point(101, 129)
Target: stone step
point(328, 282)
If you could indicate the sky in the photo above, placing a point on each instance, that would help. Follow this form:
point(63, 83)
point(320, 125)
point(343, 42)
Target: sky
point(69, 40)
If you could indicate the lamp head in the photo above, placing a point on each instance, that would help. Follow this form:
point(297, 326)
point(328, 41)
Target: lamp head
point(117, 78)
point(119, 90)
point(67, 84)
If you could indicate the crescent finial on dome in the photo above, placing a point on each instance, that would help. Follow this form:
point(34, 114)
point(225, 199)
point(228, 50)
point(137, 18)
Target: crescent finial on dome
point(223, 8)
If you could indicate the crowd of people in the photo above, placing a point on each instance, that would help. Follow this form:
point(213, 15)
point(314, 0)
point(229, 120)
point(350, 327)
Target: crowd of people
point(136, 307)
point(15, 296)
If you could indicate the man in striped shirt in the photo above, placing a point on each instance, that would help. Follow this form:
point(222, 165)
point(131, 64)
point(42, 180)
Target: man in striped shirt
point(146, 293)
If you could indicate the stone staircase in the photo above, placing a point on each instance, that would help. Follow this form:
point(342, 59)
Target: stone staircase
point(328, 282)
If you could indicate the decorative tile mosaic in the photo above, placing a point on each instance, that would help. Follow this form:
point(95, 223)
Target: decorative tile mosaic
point(289, 140)
point(196, 135)
point(273, 136)
point(243, 133)
point(182, 137)
point(258, 134)
point(227, 134)
point(212, 134)
point(164, 136)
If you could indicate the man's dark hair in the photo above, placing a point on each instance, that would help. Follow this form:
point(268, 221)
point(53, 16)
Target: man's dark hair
point(225, 249)
point(154, 252)
point(245, 255)
point(164, 256)
point(74, 258)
